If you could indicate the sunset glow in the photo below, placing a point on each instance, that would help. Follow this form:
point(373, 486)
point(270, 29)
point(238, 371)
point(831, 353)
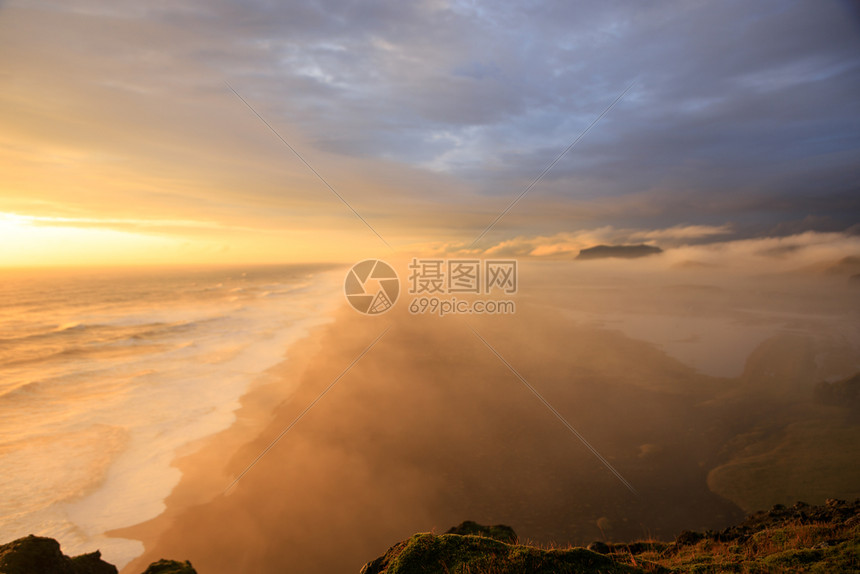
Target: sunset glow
point(119, 150)
point(287, 284)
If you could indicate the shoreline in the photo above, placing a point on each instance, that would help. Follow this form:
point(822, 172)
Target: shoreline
point(123, 374)
point(199, 461)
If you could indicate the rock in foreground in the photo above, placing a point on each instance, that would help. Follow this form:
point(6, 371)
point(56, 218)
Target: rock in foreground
point(431, 554)
point(801, 538)
point(43, 555)
point(38, 555)
point(170, 567)
point(498, 532)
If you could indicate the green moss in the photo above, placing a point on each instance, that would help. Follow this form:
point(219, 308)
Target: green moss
point(498, 532)
point(457, 554)
point(795, 557)
point(802, 539)
point(844, 557)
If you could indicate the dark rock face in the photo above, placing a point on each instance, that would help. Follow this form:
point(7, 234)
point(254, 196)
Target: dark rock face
point(92, 563)
point(38, 555)
point(170, 567)
point(622, 251)
point(498, 532)
point(35, 554)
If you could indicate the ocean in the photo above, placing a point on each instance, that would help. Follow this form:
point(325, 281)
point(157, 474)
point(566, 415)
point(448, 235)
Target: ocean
point(105, 375)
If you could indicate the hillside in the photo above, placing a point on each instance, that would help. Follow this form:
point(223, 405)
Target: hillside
point(800, 538)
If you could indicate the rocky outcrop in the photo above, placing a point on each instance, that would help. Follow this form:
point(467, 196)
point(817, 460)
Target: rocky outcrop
point(498, 532)
point(797, 539)
point(43, 555)
point(170, 567)
point(834, 513)
point(39, 555)
point(432, 554)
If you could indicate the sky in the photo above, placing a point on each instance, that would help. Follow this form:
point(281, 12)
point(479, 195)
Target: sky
point(185, 131)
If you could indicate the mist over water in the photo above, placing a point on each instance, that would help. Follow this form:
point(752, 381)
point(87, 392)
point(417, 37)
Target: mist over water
point(710, 319)
point(695, 384)
point(105, 375)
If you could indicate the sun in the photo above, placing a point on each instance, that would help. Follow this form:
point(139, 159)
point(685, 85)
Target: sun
point(27, 241)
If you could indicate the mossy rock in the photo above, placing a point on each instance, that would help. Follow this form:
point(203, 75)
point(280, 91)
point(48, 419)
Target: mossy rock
point(35, 554)
point(170, 567)
point(455, 554)
point(843, 557)
point(39, 555)
point(498, 532)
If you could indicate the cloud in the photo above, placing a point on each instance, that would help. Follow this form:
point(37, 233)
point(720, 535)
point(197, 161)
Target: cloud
point(560, 245)
point(117, 224)
point(807, 252)
point(571, 243)
point(619, 252)
point(427, 115)
point(681, 232)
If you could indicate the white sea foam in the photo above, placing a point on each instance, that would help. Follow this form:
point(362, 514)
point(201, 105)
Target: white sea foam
point(100, 391)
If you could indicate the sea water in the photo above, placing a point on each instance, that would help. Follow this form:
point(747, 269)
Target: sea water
point(105, 375)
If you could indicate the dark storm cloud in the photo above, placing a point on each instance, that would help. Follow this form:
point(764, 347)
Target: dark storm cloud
point(731, 98)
